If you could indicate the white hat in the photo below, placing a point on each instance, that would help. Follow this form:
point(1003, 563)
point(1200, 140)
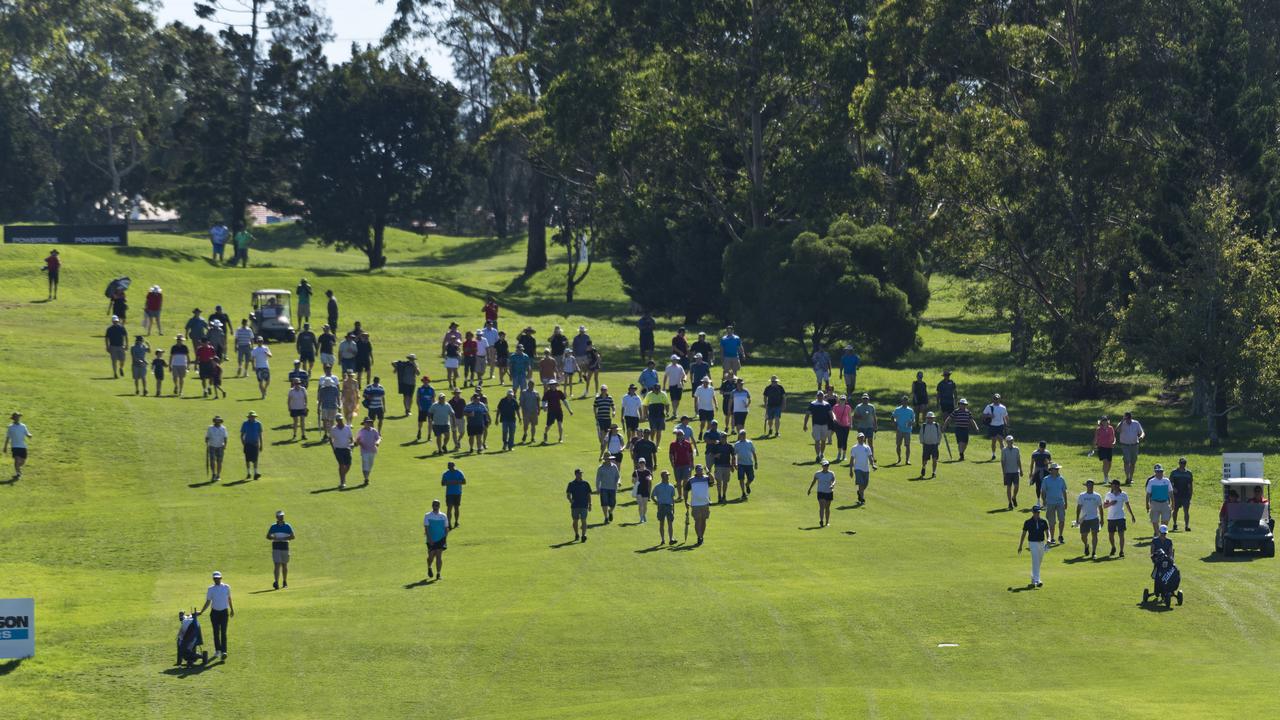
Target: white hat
point(1164, 529)
point(1158, 468)
point(825, 462)
point(217, 574)
point(696, 355)
point(675, 357)
point(279, 513)
point(1008, 438)
point(115, 318)
point(582, 327)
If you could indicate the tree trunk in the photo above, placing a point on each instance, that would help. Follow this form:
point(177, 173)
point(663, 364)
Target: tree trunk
point(374, 249)
point(536, 255)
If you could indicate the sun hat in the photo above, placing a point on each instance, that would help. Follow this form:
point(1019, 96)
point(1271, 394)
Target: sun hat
point(1008, 438)
point(367, 421)
point(253, 414)
point(217, 418)
point(963, 401)
point(929, 414)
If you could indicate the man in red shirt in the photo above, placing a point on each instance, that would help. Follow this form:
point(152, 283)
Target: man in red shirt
point(469, 346)
point(491, 311)
point(52, 265)
point(151, 309)
point(205, 353)
point(681, 454)
point(555, 402)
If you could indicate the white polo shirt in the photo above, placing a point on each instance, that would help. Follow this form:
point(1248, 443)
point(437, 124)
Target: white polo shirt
point(1116, 511)
point(674, 375)
point(341, 437)
point(1090, 504)
point(261, 354)
point(704, 398)
point(631, 405)
point(999, 414)
point(219, 596)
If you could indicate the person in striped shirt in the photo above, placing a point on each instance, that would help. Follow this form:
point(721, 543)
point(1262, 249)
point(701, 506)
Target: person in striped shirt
point(963, 422)
point(375, 401)
point(603, 408)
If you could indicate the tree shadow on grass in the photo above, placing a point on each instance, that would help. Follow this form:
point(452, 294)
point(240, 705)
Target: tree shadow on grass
point(462, 253)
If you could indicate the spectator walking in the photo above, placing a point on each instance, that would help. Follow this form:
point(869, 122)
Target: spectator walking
point(297, 404)
point(342, 440)
point(607, 480)
point(453, 480)
point(1115, 503)
point(775, 398)
point(251, 441)
point(698, 498)
point(946, 394)
point(262, 365)
point(435, 528)
point(218, 237)
point(15, 443)
point(819, 414)
point(1089, 518)
point(862, 460)
point(1011, 467)
point(825, 481)
point(904, 420)
point(116, 340)
point(746, 460)
point(1183, 486)
point(368, 439)
point(930, 439)
point(1054, 489)
point(151, 310)
point(963, 422)
point(52, 269)
point(849, 363)
point(1159, 497)
point(280, 534)
point(1104, 442)
point(996, 417)
point(578, 493)
point(664, 497)
point(1129, 434)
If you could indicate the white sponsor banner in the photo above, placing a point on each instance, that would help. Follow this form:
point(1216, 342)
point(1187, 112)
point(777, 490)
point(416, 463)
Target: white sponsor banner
point(1241, 465)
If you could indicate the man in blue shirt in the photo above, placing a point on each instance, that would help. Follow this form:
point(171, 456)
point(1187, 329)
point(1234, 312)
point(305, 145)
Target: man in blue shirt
point(435, 526)
point(519, 364)
point(251, 439)
point(477, 415)
point(280, 534)
point(849, 363)
point(904, 418)
point(664, 495)
point(578, 493)
point(453, 480)
point(1053, 488)
point(732, 352)
point(648, 378)
point(426, 396)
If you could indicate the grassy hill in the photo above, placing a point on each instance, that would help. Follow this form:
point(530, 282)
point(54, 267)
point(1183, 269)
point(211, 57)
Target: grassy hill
point(113, 529)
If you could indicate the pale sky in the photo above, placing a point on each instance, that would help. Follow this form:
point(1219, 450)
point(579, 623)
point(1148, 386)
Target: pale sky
point(359, 21)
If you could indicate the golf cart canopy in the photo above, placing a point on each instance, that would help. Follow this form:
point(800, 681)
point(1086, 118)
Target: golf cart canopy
point(1244, 482)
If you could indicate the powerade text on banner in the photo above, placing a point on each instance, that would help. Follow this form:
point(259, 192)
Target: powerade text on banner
point(66, 234)
point(17, 628)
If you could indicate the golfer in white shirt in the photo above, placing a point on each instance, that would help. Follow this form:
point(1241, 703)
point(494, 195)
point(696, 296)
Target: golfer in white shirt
point(215, 443)
point(218, 597)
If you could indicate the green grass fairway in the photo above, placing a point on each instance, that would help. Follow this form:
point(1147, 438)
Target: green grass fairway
point(113, 530)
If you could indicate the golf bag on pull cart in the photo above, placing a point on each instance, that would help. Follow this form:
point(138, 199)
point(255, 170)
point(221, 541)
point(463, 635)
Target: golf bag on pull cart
point(1167, 579)
point(189, 640)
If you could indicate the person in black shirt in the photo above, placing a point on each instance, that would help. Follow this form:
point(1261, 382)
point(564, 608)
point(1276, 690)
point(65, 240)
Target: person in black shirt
point(919, 398)
point(508, 410)
point(1040, 466)
point(220, 316)
point(645, 448)
point(775, 396)
point(1162, 542)
point(819, 414)
point(501, 352)
point(557, 342)
point(528, 342)
point(646, 325)
point(333, 312)
point(1034, 532)
point(720, 456)
point(306, 345)
point(326, 342)
point(364, 358)
point(1182, 488)
point(701, 346)
point(727, 387)
point(946, 395)
point(578, 493)
point(117, 338)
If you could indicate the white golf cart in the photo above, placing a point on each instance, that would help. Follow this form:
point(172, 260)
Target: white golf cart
point(1245, 521)
point(270, 315)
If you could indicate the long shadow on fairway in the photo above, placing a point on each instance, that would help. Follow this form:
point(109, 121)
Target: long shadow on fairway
point(855, 506)
point(206, 483)
point(421, 583)
point(335, 488)
point(238, 482)
point(1024, 588)
point(566, 543)
point(654, 548)
point(182, 672)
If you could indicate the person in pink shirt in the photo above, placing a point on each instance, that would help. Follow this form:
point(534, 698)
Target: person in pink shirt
point(842, 420)
point(1104, 443)
point(368, 440)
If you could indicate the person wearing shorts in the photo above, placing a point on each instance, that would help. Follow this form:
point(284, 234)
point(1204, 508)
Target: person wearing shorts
point(1115, 503)
point(261, 365)
point(458, 423)
point(746, 459)
point(946, 394)
point(342, 439)
point(720, 456)
point(139, 353)
point(556, 403)
point(864, 419)
point(825, 481)
point(453, 480)
point(930, 438)
point(732, 352)
point(1011, 466)
point(296, 402)
point(862, 460)
point(1129, 434)
point(441, 417)
point(704, 402)
point(698, 497)
point(116, 340)
point(741, 400)
point(1159, 496)
point(435, 528)
point(477, 417)
point(578, 493)
point(819, 413)
point(251, 440)
point(963, 421)
point(215, 444)
point(1054, 490)
point(608, 477)
point(279, 535)
point(530, 407)
point(775, 397)
point(368, 439)
point(1089, 518)
point(996, 417)
point(664, 497)
point(631, 409)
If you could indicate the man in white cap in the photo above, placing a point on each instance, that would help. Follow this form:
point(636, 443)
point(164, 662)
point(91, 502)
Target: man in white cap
point(280, 534)
point(215, 444)
point(996, 417)
point(297, 403)
point(698, 497)
point(674, 375)
point(1053, 487)
point(963, 422)
point(1159, 499)
point(1161, 542)
point(704, 402)
point(262, 365)
point(825, 480)
point(930, 438)
point(218, 597)
point(581, 343)
point(1034, 532)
